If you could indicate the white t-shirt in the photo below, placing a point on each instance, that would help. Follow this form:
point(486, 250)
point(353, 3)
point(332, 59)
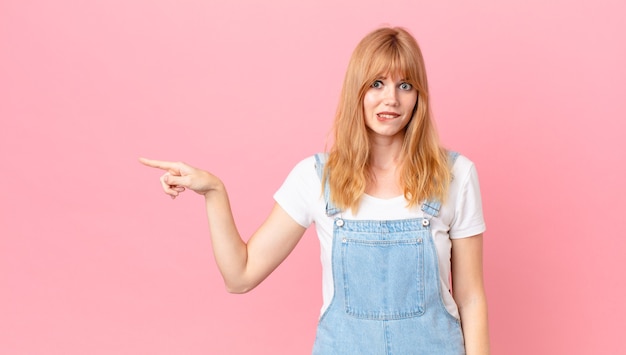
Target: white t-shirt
point(460, 216)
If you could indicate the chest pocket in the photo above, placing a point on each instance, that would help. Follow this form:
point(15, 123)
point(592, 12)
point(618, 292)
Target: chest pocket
point(383, 274)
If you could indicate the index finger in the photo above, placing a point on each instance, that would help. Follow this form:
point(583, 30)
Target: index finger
point(159, 164)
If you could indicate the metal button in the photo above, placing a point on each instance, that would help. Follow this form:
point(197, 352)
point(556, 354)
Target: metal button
point(339, 222)
point(419, 240)
point(425, 222)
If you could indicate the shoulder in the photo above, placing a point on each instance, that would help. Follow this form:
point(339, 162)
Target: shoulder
point(306, 166)
point(304, 174)
point(463, 170)
point(462, 164)
point(464, 188)
point(464, 204)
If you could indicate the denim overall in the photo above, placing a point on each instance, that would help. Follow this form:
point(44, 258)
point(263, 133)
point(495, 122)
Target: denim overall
point(386, 288)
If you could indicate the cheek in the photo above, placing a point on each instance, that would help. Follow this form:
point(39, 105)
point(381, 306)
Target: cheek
point(412, 98)
point(410, 102)
point(369, 101)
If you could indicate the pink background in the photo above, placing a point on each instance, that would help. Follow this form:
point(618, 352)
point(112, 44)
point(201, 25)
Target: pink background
point(94, 259)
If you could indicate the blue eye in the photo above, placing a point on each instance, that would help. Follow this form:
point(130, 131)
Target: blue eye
point(406, 86)
point(377, 84)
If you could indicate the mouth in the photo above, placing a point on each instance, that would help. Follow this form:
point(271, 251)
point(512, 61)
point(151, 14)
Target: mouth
point(384, 116)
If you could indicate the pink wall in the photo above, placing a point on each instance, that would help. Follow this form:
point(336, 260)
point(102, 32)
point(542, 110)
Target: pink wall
point(95, 260)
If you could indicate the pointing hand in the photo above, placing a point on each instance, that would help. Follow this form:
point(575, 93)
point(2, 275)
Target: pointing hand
point(180, 176)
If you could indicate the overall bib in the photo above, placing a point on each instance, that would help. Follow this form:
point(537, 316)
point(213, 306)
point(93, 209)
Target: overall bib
point(386, 288)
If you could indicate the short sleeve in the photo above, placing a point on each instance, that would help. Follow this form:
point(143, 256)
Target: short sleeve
point(299, 192)
point(468, 217)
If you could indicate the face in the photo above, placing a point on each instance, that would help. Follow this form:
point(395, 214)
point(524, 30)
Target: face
point(388, 106)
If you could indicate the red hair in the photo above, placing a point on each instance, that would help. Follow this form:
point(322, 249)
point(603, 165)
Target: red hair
point(425, 172)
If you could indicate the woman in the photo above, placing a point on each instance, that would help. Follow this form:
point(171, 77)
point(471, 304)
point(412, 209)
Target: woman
point(395, 213)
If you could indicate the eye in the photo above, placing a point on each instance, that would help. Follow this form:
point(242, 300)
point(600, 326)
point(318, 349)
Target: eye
point(406, 86)
point(377, 84)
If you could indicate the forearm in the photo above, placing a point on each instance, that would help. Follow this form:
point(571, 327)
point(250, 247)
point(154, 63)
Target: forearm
point(229, 249)
point(475, 325)
point(243, 264)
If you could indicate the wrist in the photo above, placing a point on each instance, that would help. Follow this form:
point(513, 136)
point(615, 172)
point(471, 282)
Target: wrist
point(214, 187)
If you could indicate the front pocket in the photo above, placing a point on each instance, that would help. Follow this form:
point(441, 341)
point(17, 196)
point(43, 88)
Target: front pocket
point(383, 279)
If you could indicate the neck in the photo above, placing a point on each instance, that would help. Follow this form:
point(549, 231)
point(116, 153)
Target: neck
point(384, 167)
point(385, 152)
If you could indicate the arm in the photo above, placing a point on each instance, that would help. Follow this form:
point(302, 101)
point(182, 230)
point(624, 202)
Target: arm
point(469, 293)
point(242, 265)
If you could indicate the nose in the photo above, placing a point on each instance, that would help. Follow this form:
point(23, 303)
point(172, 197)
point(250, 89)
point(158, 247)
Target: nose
point(390, 96)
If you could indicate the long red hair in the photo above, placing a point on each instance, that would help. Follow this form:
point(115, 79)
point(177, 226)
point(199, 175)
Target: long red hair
point(425, 172)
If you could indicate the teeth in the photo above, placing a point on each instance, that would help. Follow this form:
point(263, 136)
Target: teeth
point(386, 116)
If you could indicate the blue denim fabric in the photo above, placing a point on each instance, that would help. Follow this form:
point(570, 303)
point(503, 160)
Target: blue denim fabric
point(387, 297)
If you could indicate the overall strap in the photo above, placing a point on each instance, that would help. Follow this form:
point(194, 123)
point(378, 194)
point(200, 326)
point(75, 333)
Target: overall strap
point(320, 161)
point(431, 207)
